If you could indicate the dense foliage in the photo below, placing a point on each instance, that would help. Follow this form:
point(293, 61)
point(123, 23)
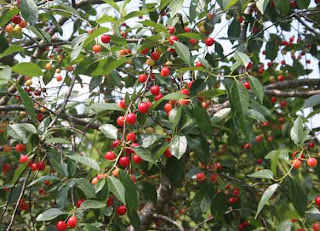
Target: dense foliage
point(196, 115)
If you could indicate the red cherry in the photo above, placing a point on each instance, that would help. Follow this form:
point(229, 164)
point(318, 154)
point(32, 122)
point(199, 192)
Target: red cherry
point(149, 104)
point(79, 202)
point(240, 19)
point(193, 41)
point(97, 48)
point(155, 55)
point(167, 153)
point(167, 107)
point(249, 66)
point(6, 168)
point(34, 167)
point(283, 103)
point(121, 210)
point(165, 71)
point(172, 29)
point(142, 78)
point(109, 201)
point(185, 91)
point(199, 64)
point(16, 19)
point(155, 90)
point(20, 148)
point(296, 163)
point(39, 117)
point(259, 161)
point(124, 161)
point(23, 159)
point(190, 84)
point(173, 38)
point(273, 99)
point(247, 85)
point(283, 62)
point(143, 107)
point(115, 143)
point(236, 191)
point(157, 97)
point(312, 162)
point(280, 78)
point(122, 104)
point(137, 159)
point(105, 38)
point(61, 226)
point(209, 41)
point(144, 51)
point(214, 177)
point(72, 222)
point(120, 120)
point(131, 118)
point(311, 145)
point(317, 200)
point(316, 226)
point(187, 29)
point(40, 165)
point(131, 137)
point(247, 146)
point(110, 156)
point(201, 177)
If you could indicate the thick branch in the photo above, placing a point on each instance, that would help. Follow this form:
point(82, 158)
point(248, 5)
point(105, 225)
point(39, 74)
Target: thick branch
point(286, 94)
point(293, 84)
point(169, 220)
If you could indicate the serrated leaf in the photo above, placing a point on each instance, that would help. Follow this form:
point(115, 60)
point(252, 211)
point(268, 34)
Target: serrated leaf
point(117, 189)
point(266, 196)
point(85, 187)
point(297, 134)
point(109, 65)
point(264, 174)
point(11, 50)
point(203, 121)
point(44, 178)
point(109, 130)
point(220, 115)
point(178, 146)
point(262, 5)
point(298, 196)
point(131, 193)
point(230, 4)
point(312, 101)
point(144, 154)
point(92, 204)
point(149, 139)
point(85, 161)
point(50, 214)
point(29, 11)
point(21, 131)
point(27, 103)
point(283, 6)
point(285, 226)
point(241, 58)
point(29, 69)
point(175, 6)
point(254, 114)
point(257, 88)
point(303, 4)
point(183, 51)
point(100, 107)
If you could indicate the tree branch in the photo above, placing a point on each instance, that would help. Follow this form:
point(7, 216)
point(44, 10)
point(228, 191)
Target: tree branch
point(169, 220)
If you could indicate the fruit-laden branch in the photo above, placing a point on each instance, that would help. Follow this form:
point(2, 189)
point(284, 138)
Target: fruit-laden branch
point(169, 220)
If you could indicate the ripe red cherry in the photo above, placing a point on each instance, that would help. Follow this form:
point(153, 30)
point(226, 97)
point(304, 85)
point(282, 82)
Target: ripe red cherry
point(312, 162)
point(109, 201)
point(296, 163)
point(200, 176)
point(155, 90)
point(172, 29)
point(97, 48)
point(283, 103)
point(236, 191)
point(34, 167)
point(115, 143)
point(20, 148)
point(72, 222)
point(165, 71)
point(173, 38)
point(121, 210)
point(137, 159)
point(23, 159)
point(61, 226)
point(122, 104)
point(167, 153)
point(131, 118)
point(16, 19)
point(273, 99)
point(155, 55)
point(316, 226)
point(193, 41)
point(6, 167)
point(157, 97)
point(190, 84)
point(120, 120)
point(209, 41)
point(185, 91)
point(79, 202)
point(283, 62)
point(317, 200)
point(142, 78)
point(311, 145)
point(105, 38)
point(240, 19)
point(124, 161)
point(247, 85)
point(280, 78)
point(247, 146)
point(40, 166)
point(131, 137)
point(109, 156)
point(167, 107)
point(187, 29)
point(199, 64)
point(149, 104)
point(143, 107)
point(249, 66)
point(214, 177)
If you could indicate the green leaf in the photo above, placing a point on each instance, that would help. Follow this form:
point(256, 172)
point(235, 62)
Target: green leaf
point(56, 24)
point(144, 154)
point(234, 30)
point(193, 10)
point(85, 187)
point(285, 226)
point(109, 130)
point(312, 101)
point(44, 178)
point(262, 5)
point(99, 186)
point(113, 4)
point(18, 172)
point(257, 88)
point(178, 146)
point(149, 139)
point(109, 66)
point(297, 134)
point(100, 107)
point(173, 96)
point(135, 220)
point(220, 115)
point(43, 35)
point(92, 204)
point(271, 50)
point(264, 174)
point(298, 196)
point(303, 4)
point(203, 121)
point(175, 6)
point(11, 50)
point(131, 192)
point(241, 58)
point(57, 141)
point(219, 204)
point(283, 6)
point(50, 214)
point(77, 44)
point(6, 16)
point(230, 4)
point(29, 11)
point(27, 102)
point(95, 34)
point(212, 93)
point(202, 200)
point(85, 161)
point(29, 69)
point(254, 114)
point(21, 131)
point(117, 189)
point(183, 51)
point(57, 163)
point(313, 214)
point(283, 154)
point(157, 27)
point(149, 191)
point(265, 197)
point(240, 102)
